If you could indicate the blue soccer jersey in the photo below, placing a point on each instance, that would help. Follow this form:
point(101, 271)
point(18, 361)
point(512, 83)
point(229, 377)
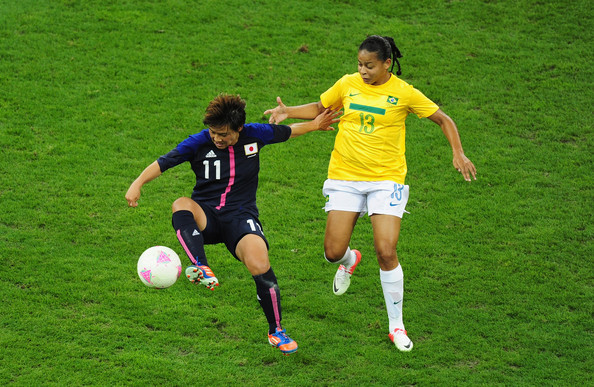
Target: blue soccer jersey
point(226, 179)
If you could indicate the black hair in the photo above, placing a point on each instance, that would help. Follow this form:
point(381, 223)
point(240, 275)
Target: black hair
point(384, 47)
point(225, 111)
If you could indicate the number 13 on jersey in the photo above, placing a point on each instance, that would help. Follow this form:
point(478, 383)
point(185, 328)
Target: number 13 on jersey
point(367, 123)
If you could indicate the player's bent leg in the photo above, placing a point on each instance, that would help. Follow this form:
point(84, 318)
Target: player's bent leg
point(253, 252)
point(339, 228)
point(189, 220)
point(189, 236)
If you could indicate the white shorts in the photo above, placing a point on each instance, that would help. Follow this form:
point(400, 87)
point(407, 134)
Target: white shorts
point(374, 197)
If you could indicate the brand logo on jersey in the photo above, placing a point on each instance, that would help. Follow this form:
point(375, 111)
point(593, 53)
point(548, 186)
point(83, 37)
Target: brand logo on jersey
point(251, 149)
point(210, 154)
point(195, 232)
point(392, 100)
point(353, 94)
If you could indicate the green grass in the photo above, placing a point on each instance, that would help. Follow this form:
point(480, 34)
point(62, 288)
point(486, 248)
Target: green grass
point(498, 272)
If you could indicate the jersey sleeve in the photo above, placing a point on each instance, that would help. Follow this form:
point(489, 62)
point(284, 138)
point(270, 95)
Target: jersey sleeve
point(268, 133)
point(421, 105)
point(183, 151)
point(332, 98)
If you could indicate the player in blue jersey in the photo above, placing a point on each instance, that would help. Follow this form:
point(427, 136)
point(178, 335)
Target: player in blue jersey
point(222, 207)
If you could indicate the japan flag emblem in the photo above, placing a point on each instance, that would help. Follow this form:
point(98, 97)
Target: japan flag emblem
point(251, 149)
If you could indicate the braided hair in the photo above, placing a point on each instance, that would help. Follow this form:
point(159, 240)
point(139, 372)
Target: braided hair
point(384, 47)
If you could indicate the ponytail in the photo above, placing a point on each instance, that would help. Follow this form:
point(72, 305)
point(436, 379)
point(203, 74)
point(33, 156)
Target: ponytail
point(395, 54)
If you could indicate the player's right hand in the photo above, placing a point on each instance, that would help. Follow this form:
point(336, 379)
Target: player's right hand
point(279, 113)
point(327, 118)
point(133, 195)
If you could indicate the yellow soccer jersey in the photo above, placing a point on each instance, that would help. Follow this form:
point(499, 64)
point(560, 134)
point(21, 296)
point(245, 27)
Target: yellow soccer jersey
point(369, 145)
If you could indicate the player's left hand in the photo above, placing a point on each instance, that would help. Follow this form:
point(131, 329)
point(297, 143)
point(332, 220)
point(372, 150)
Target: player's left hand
point(464, 166)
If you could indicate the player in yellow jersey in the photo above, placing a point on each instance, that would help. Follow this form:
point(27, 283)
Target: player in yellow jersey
point(367, 166)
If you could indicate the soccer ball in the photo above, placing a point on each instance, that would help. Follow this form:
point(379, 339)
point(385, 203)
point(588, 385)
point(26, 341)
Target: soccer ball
point(159, 267)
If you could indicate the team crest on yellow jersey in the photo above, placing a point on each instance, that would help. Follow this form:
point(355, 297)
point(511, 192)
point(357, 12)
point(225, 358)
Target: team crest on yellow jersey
point(392, 100)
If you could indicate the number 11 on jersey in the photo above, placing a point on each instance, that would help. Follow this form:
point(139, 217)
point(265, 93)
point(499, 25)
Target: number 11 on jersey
point(217, 165)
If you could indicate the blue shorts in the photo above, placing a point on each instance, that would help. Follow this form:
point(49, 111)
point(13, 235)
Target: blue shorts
point(229, 227)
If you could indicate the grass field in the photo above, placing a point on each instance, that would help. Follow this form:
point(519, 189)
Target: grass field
point(498, 272)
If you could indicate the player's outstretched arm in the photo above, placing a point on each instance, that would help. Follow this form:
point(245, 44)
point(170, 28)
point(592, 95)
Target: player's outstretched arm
point(304, 112)
point(449, 128)
point(150, 173)
point(321, 122)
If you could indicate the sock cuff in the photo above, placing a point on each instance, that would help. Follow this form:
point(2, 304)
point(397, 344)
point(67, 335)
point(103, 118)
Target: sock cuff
point(182, 218)
point(267, 280)
point(394, 275)
point(346, 258)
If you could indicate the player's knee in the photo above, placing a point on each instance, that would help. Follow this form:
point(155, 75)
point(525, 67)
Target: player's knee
point(333, 255)
point(386, 257)
point(183, 203)
point(257, 266)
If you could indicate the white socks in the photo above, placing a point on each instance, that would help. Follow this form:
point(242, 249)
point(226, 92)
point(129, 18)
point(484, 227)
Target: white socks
point(347, 260)
point(393, 287)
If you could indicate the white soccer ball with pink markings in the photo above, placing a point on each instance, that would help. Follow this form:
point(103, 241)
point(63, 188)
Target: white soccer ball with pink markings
point(159, 267)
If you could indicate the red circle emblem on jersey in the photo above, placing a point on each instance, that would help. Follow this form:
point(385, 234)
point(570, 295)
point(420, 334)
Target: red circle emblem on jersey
point(251, 149)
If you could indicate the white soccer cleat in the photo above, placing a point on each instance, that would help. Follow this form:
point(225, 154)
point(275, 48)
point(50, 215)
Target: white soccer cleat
point(401, 340)
point(342, 279)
